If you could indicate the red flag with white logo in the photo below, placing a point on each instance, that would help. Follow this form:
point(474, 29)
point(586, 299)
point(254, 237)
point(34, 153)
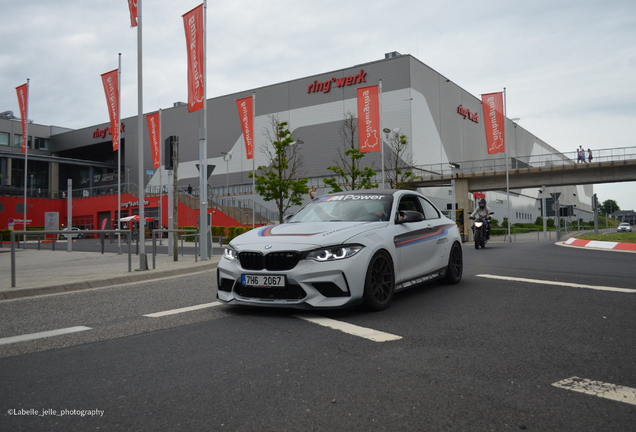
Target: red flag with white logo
point(132, 5)
point(153, 131)
point(193, 24)
point(369, 119)
point(111, 88)
point(246, 110)
point(492, 104)
point(22, 102)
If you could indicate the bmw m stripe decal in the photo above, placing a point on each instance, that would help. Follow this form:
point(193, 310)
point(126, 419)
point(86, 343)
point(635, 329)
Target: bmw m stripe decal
point(421, 236)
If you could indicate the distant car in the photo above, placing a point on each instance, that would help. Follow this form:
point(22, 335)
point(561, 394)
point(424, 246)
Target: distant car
point(73, 235)
point(624, 227)
point(340, 250)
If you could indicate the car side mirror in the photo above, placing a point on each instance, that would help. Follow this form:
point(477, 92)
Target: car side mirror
point(406, 216)
point(287, 218)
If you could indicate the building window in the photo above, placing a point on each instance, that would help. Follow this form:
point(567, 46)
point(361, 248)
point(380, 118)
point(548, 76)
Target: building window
point(41, 143)
point(4, 138)
point(17, 141)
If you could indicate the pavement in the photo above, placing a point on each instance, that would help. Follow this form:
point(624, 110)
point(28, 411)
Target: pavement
point(39, 272)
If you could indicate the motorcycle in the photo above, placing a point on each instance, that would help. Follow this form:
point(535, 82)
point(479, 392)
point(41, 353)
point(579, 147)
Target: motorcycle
point(480, 230)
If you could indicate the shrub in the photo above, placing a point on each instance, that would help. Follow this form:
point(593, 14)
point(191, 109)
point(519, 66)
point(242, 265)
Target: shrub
point(550, 223)
point(539, 221)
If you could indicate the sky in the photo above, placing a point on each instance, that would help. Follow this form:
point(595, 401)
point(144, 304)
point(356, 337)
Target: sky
point(569, 67)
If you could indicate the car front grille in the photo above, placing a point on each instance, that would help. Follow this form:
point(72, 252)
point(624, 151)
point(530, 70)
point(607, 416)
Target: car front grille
point(274, 261)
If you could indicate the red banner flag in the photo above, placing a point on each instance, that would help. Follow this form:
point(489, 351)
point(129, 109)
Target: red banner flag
point(369, 119)
point(153, 131)
point(111, 88)
point(22, 102)
point(193, 23)
point(132, 5)
point(492, 104)
point(246, 110)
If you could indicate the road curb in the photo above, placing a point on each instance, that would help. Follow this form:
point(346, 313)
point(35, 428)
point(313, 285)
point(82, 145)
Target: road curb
point(599, 245)
point(16, 293)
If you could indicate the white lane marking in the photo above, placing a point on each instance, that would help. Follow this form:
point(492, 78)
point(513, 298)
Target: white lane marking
point(566, 284)
point(367, 333)
point(182, 310)
point(598, 388)
point(40, 335)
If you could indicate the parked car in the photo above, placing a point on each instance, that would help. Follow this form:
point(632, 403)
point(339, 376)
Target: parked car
point(624, 227)
point(340, 250)
point(72, 234)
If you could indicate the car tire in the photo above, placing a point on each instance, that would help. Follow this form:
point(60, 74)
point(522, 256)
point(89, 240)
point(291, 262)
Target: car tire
point(379, 284)
point(455, 267)
point(477, 238)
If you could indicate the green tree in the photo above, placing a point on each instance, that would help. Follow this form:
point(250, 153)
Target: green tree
point(608, 207)
point(278, 180)
point(350, 175)
point(398, 162)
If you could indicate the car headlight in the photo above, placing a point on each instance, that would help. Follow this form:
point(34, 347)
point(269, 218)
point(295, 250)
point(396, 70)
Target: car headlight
point(334, 253)
point(230, 254)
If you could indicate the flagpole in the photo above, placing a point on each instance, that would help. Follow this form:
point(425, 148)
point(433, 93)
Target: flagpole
point(506, 157)
point(203, 152)
point(381, 141)
point(143, 263)
point(25, 142)
point(160, 184)
point(119, 157)
point(253, 163)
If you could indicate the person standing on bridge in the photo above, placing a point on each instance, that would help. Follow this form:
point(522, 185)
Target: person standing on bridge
point(589, 156)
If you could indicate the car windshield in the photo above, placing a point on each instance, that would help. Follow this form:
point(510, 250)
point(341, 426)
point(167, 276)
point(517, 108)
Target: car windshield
point(346, 208)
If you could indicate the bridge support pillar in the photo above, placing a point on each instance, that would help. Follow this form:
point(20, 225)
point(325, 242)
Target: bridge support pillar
point(465, 202)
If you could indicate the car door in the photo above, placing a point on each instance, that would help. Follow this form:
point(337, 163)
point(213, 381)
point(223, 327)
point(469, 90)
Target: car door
point(415, 243)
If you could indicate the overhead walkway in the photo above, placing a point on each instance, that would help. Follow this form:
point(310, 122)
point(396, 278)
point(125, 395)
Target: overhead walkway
point(562, 169)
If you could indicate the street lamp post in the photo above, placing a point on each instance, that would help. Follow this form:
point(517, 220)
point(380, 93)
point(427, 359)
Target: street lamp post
point(386, 131)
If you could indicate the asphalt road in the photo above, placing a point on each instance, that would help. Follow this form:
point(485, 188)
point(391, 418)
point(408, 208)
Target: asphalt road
point(479, 356)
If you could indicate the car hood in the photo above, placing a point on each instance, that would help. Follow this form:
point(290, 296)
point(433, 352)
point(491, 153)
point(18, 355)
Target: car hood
point(309, 235)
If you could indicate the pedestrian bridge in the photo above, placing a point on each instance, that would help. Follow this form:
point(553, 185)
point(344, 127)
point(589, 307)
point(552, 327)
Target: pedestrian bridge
point(561, 169)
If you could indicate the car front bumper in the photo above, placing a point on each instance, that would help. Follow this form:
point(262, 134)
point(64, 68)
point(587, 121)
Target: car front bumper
point(309, 284)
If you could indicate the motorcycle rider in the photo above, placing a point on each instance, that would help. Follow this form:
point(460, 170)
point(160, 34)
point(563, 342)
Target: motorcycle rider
point(483, 211)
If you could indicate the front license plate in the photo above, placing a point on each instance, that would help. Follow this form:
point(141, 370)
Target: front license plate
point(263, 281)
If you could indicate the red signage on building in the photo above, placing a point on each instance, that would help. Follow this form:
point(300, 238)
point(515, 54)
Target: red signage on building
point(479, 195)
point(101, 133)
point(467, 114)
point(338, 82)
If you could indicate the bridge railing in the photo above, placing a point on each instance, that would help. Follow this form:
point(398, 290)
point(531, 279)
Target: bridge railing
point(544, 161)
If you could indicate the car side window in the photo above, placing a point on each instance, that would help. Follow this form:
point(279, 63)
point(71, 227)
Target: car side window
point(430, 212)
point(410, 203)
